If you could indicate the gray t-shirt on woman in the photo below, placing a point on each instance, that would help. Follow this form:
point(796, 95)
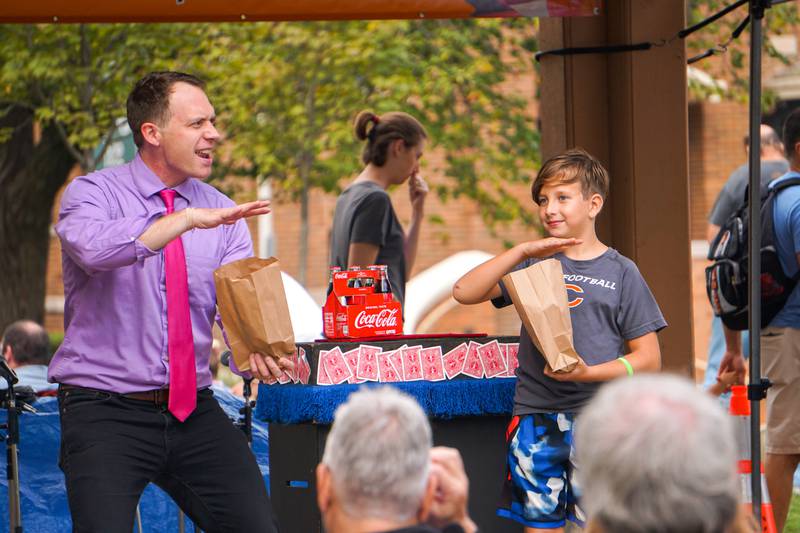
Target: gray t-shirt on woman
point(364, 214)
point(610, 303)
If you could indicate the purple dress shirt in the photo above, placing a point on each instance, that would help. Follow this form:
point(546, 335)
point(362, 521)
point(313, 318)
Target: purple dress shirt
point(115, 316)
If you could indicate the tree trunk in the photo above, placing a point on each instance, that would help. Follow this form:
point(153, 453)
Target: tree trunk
point(30, 176)
point(305, 170)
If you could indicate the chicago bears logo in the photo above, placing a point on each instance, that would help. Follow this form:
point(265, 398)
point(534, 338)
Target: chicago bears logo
point(575, 302)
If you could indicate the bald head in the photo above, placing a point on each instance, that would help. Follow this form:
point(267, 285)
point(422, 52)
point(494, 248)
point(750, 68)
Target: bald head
point(26, 343)
point(770, 146)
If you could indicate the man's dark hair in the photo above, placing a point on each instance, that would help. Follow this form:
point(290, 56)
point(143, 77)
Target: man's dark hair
point(791, 134)
point(149, 99)
point(29, 343)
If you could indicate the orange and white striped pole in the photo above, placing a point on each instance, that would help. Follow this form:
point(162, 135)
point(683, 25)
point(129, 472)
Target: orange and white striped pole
point(740, 411)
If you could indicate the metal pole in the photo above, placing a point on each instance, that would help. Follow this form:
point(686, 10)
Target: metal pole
point(12, 440)
point(754, 265)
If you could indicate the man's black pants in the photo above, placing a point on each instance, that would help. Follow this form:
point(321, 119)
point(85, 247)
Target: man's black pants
point(112, 447)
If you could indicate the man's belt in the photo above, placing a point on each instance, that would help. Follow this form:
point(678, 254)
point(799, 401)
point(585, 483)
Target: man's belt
point(157, 396)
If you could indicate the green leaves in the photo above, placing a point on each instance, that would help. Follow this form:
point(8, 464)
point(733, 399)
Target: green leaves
point(733, 65)
point(286, 93)
point(79, 76)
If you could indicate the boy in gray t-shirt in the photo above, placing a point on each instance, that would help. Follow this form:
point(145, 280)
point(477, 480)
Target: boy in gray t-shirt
point(610, 305)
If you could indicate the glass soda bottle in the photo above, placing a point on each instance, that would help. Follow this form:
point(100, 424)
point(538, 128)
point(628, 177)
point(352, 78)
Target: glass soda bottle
point(384, 287)
point(354, 283)
point(334, 270)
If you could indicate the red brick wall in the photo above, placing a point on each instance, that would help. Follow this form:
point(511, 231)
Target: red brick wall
point(716, 133)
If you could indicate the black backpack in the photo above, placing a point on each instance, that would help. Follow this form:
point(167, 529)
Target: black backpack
point(726, 278)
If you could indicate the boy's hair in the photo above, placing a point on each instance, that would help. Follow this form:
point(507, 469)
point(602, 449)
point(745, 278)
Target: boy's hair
point(574, 165)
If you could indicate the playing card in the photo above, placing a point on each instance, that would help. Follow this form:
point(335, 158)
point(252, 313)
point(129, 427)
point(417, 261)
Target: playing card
point(351, 358)
point(432, 365)
point(511, 358)
point(473, 366)
point(396, 358)
point(336, 366)
point(322, 375)
point(284, 378)
point(368, 363)
point(293, 373)
point(305, 369)
point(493, 363)
point(504, 356)
point(387, 370)
point(454, 360)
point(412, 366)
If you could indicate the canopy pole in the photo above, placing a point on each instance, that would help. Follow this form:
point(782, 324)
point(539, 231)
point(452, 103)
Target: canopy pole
point(755, 389)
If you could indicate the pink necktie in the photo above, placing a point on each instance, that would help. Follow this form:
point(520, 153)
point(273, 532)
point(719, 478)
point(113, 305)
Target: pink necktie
point(182, 374)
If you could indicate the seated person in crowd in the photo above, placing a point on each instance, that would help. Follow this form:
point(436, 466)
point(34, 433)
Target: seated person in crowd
point(655, 454)
point(379, 473)
point(26, 349)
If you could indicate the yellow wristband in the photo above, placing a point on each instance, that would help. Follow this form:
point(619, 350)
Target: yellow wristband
point(627, 364)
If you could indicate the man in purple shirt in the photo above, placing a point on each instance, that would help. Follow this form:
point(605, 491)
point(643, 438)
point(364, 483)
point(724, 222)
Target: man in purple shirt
point(113, 367)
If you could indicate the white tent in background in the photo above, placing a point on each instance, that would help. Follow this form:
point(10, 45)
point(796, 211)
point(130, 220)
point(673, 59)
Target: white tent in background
point(429, 293)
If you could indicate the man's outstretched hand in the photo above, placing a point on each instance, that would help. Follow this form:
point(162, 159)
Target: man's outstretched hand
point(207, 217)
point(174, 225)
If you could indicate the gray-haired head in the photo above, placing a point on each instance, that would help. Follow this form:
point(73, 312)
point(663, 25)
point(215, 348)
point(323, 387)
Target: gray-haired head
point(657, 455)
point(378, 453)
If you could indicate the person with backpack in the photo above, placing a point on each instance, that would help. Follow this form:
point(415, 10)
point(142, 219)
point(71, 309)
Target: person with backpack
point(729, 199)
point(780, 338)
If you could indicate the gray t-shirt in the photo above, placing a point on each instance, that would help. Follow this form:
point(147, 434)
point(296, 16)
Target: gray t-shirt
point(610, 303)
point(732, 194)
point(364, 214)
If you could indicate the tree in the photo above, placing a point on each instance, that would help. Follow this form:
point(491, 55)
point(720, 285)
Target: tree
point(731, 62)
point(62, 89)
point(287, 93)
point(292, 91)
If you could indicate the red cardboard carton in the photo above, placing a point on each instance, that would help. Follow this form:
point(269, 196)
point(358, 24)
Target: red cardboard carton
point(361, 304)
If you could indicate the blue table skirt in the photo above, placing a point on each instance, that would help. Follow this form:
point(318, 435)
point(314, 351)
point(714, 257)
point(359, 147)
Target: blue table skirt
point(297, 404)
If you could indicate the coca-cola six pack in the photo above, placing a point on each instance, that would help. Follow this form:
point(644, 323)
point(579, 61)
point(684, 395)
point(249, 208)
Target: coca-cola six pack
point(361, 304)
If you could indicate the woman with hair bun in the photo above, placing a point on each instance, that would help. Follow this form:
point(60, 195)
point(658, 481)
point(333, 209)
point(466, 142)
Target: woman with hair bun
point(366, 230)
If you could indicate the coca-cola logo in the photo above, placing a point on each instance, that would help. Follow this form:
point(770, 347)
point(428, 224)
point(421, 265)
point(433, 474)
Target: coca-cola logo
point(386, 318)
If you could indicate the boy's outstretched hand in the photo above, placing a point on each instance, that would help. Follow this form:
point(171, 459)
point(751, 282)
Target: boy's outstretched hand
point(581, 371)
point(548, 246)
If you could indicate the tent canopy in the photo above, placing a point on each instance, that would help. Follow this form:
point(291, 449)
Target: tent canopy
point(38, 11)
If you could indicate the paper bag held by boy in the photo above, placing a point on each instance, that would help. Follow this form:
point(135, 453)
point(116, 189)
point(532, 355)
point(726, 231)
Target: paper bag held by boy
point(540, 298)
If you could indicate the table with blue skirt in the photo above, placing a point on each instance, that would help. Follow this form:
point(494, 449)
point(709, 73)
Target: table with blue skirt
point(468, 410)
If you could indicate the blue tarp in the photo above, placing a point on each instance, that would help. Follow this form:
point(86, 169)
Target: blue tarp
point(296, 404)
point(43, 497)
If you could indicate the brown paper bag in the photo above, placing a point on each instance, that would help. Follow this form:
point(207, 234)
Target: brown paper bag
point(252, 304)
point(540, 297)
